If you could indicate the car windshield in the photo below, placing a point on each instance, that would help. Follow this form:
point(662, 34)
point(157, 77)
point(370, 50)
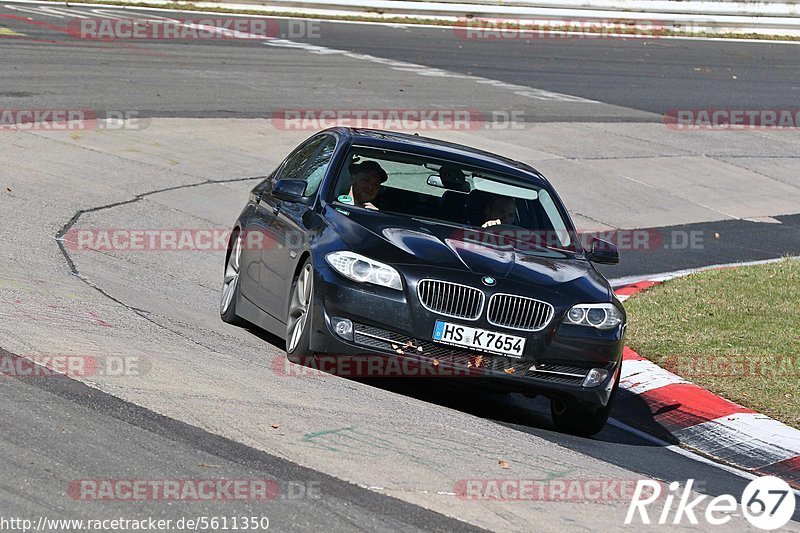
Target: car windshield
point(501, 210)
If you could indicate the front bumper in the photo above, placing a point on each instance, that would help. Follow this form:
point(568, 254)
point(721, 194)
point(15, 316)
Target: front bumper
point(394, 326)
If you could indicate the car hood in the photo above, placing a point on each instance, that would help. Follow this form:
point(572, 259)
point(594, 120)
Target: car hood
point(403, 240)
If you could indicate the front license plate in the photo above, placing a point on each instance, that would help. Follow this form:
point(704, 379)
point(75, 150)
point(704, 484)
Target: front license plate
point(481, 339)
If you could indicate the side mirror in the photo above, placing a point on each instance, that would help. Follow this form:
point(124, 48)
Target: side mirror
point(603, 252)
point(291, 191)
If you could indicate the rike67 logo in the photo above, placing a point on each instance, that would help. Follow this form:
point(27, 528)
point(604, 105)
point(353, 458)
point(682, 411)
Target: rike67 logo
point(767, 503)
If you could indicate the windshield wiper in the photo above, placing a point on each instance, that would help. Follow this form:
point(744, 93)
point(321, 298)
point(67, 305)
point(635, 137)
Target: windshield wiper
point(440, 223)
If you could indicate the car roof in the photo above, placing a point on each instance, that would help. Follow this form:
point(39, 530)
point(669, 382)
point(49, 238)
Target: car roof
point(435, 148)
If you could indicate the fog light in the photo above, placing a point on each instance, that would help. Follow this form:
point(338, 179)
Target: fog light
point(595, 377)
point(343, 328)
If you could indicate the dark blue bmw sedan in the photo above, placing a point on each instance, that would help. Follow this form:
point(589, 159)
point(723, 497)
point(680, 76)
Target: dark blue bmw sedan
point(392, 251)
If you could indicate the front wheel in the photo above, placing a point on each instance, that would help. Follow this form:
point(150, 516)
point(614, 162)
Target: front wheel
point(573, 418)
point(298, 322)
point(230, 284)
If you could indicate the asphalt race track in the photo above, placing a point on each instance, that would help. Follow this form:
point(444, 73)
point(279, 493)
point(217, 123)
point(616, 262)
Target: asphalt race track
point(205, 400)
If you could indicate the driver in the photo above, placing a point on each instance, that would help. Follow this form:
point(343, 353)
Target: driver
point(365, 180)
point(499, 210)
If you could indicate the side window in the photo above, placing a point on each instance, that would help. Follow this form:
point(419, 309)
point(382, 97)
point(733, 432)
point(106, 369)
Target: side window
point(296, 162)
point(319, 166)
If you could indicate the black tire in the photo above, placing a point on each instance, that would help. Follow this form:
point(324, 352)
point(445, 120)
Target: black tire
point(301, 301)
point(576, 419)
point(230, 282)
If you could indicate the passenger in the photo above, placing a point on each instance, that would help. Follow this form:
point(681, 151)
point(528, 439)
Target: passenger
point(365, 180)
point(499, 210)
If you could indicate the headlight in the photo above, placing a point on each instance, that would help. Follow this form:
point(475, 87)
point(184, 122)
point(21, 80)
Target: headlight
point(600, 316)
point(364, 270)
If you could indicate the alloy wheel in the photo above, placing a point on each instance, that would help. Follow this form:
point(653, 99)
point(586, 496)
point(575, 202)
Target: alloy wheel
point(299, 307)
point(231, 280)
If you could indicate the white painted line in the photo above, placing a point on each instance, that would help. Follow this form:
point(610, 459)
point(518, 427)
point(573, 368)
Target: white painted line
point(640, 376)
point(665, 276)
point(43, 10)
point(68, 12)
point(103, 13)
point(121, 15)
point(423, 70)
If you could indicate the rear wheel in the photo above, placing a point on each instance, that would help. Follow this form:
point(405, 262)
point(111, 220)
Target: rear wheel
point(298, 322)
point(571, 417)
point(230, 283)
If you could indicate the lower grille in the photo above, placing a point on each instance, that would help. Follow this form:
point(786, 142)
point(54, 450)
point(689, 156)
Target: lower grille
point(427, 351)
point(560, 373)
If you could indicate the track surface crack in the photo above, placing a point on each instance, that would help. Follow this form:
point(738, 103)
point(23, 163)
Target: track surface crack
point(143, 313)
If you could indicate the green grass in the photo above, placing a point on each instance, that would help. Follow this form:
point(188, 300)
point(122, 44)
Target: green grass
point(733, 331)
